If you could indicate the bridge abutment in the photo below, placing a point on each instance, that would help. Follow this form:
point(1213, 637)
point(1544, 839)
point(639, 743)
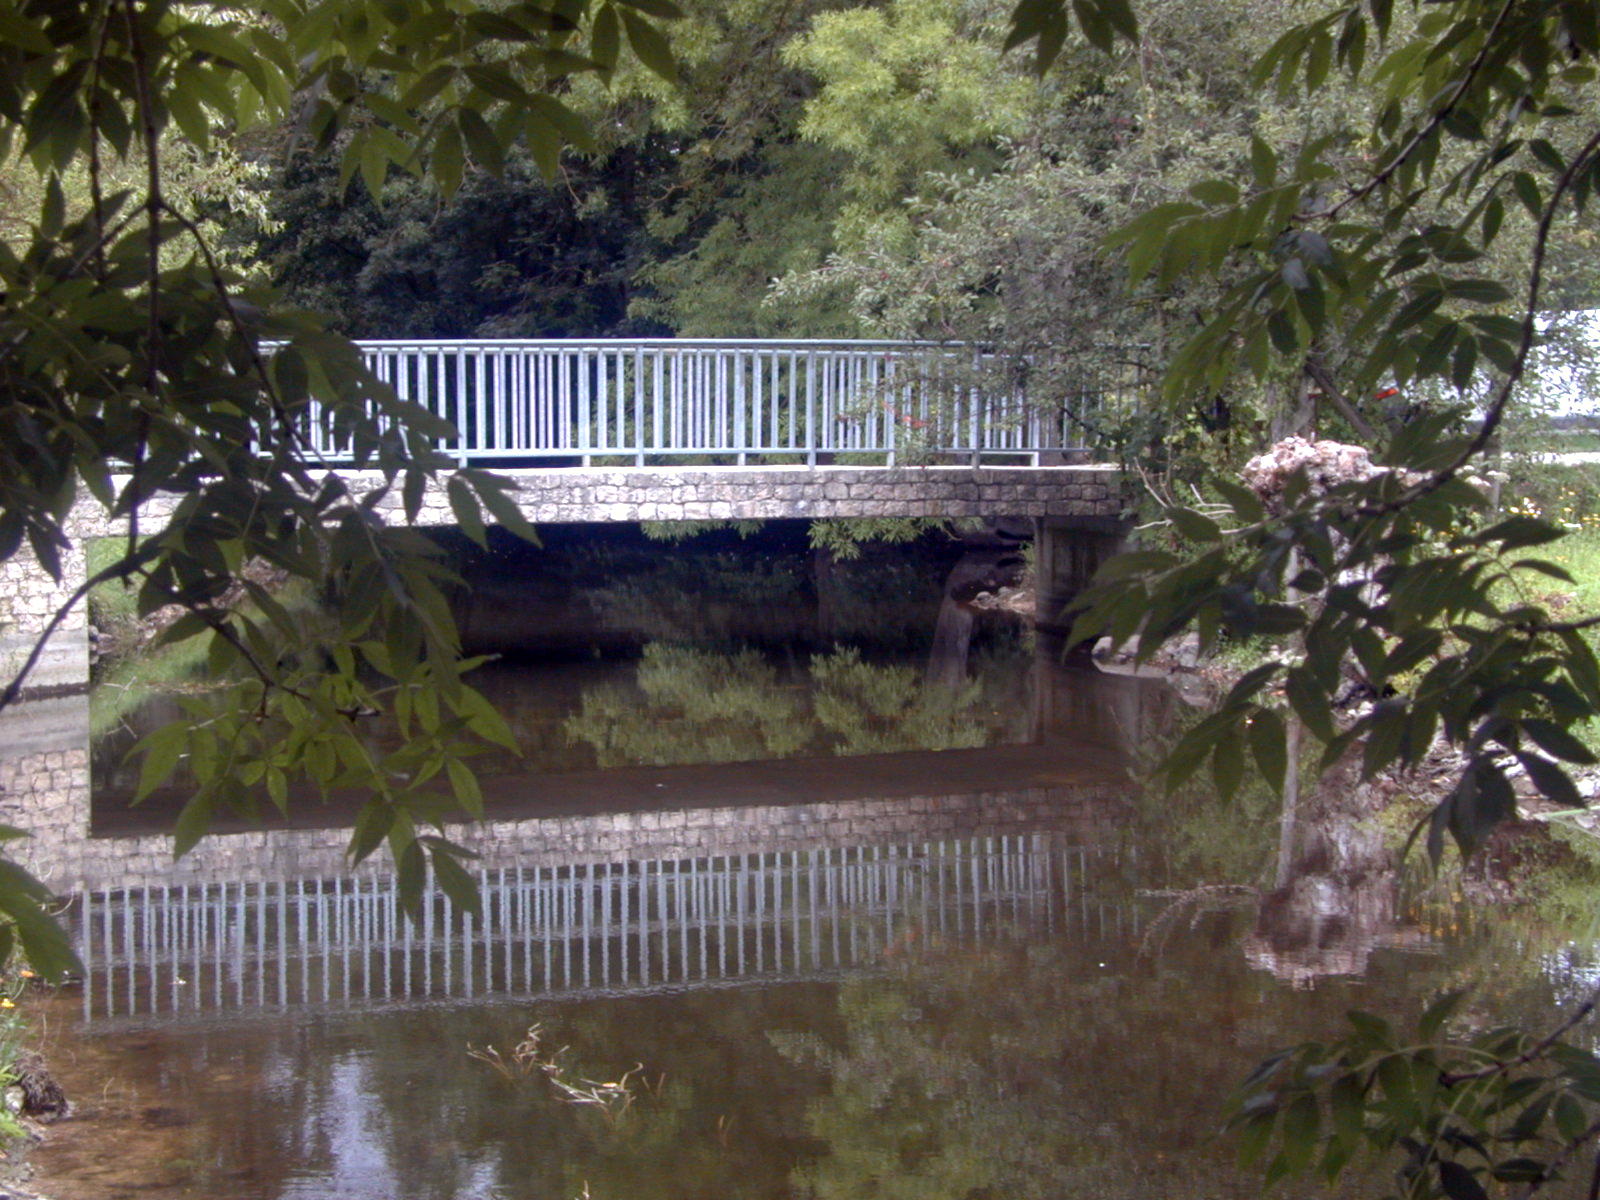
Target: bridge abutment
point(1068, 550)
point(30, 600)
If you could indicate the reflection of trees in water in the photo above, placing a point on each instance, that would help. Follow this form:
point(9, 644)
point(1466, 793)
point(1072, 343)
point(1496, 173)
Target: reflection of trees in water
point(1037, 1070)
point(691, 705)
point(705, 595)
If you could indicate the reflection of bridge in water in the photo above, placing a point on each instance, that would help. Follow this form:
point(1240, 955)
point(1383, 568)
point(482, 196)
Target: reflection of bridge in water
point(594, 928)
point(623, 881)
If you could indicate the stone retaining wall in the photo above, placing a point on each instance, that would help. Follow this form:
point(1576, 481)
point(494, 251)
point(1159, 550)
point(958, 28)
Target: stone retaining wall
point(29, 600)
point(48, 794)
point(617, 494)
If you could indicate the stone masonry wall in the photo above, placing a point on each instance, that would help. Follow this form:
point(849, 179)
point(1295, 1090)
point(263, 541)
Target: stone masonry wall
point(756, 493)
point(29, 600)
point(43, 790)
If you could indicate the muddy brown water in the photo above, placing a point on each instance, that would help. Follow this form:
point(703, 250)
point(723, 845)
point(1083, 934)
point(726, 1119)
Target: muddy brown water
point(989, 967)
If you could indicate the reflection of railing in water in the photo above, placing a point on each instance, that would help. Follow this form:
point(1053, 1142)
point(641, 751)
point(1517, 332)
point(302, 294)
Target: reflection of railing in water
point(609, 927)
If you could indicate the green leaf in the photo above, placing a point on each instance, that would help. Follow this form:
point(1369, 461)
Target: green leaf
point(373, 824)
point(1373, 1029)
point(605, 41)
point(1436, 1015)
point(481, 141)
point(1301, 1123)
point(410, 873)
point(1269, 745)
point(652, 48)
point(448, 162)
point(1551, 780)
point(1227, 764)
point(1556, 741)
point(44, 942)
point(192, 824)
point(465, 507)
point(1215, 193)
point(160, 752)
point(1459, 1183)
point(1247, 506)
point(1254, 1135)
point(465, 786)
point(1519, 532)
point(1310, 702)
point(1197, 527)
point(456, 883)
point(1263, 162)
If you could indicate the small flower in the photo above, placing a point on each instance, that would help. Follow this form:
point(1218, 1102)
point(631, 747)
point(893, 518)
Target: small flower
point(7, 1002)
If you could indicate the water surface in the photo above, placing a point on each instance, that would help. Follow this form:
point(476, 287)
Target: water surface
point(850, 936)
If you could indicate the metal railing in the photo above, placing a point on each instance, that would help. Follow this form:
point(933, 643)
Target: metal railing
point(595, 928)
point(621, 401)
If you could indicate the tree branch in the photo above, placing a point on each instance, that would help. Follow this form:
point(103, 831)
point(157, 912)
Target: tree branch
point(1502, 395)
point(1536, 1051)
point(1323, 378)
point(1437, 119)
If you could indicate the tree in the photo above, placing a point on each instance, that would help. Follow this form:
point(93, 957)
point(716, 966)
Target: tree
point(1361, 262)
point(1357, 264)
point(135, 361)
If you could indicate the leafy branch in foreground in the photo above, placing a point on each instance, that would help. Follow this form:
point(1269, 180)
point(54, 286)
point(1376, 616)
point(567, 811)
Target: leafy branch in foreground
point(137, 365)
point(1405, 622)
point(1502, 1108)
point(1363, 264)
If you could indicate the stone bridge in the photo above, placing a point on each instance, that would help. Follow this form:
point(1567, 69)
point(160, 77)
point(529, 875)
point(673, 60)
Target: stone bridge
point(1077, 512)
point(591, 429)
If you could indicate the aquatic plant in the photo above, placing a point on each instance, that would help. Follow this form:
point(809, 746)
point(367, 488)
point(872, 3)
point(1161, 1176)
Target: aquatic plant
point(613, 1098)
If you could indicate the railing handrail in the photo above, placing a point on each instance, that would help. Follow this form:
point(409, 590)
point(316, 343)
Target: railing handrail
point(739, 398)
point(667, 342)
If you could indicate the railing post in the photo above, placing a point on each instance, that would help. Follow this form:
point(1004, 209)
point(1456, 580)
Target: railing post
point(462, 457)
point(811, 407)
point(584, 441)
point(976, 402)
point(736, 361)
point(638, 403)
point(883, 387)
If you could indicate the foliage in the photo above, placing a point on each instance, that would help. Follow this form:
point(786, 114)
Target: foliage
point(126, 341)
point(13, 1030)
point(513, 255)
point(1357, 269)
point(696, 705)
point(1565, 494)
point(1368, 259)
point(1500, 1106)
point(843, 537)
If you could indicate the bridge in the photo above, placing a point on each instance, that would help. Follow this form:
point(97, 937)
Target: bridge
point(694, 430)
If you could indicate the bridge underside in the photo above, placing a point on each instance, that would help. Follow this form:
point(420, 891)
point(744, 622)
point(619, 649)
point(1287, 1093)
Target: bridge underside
point(1077, 512)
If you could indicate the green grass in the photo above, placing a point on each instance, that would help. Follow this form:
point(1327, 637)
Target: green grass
point(122, 684)
point(1579, 553)
point(1556, 442)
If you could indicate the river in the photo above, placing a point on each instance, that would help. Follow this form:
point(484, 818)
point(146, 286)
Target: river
point(765, 914)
